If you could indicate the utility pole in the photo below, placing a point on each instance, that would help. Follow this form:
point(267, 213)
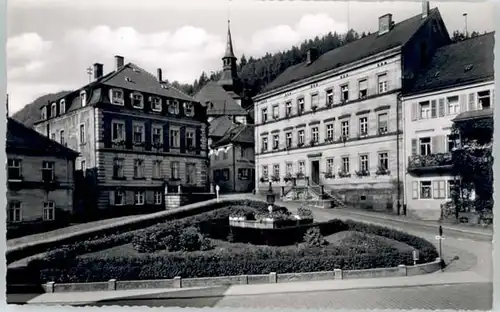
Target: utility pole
point(89, 72)
point(465, 21)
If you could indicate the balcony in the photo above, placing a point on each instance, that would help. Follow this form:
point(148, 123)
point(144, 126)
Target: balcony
point(429, 163)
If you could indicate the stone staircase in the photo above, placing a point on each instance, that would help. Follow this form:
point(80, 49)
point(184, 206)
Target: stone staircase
point(309, 194)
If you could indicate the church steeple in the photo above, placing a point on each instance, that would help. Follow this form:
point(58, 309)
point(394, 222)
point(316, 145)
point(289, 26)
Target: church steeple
point(229, 77)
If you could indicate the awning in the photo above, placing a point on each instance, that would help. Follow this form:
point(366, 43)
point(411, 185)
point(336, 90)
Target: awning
point(475, 114)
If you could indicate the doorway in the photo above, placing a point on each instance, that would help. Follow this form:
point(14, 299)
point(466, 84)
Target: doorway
point(315, 171)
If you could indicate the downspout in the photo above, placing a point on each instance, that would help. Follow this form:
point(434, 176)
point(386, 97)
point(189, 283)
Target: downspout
point(398, 104)
point(234, 167)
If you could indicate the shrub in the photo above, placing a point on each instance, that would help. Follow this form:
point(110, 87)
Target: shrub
point(304, 212)
point(190, 239)
point(313, 238)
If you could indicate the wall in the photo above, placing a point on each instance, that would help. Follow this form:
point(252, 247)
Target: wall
point(440, 126)
point(225, 161)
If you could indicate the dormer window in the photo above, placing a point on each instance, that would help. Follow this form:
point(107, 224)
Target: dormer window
point(188, 109)
point(53, 110)
point(137, 100)
point(116, 96)
point(83, 98)
point(173, 107)
point(44, 113)
point(156, 104)
point(62, 107)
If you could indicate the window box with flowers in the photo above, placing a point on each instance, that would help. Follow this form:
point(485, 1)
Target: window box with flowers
point(264, 179)
point(329, 175)
point(300, 144)
point(157, 145)
point(314, 108)
point(313, 142)
point(275, 178)
point(139, 145)
point(288, 177)
point(119, 144)
point(343, 174)
point(300, 175)
point(382, 171)
point(362, 173)
point(329, 140)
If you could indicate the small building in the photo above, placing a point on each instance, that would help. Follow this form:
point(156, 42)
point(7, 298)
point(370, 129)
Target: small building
point(458, 82)
point(40, 178)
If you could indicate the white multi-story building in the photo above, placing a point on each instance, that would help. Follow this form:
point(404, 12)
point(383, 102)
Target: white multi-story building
point(336, 119)
point(459, 78)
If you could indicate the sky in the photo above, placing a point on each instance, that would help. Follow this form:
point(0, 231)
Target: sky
point(51, 43)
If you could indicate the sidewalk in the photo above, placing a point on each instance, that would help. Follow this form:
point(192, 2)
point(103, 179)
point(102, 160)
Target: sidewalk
point(438, 278)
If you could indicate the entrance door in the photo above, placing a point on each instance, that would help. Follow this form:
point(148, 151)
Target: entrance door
point(315, 171)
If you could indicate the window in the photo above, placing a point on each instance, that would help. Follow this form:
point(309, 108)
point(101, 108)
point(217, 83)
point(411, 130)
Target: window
point(174, 138)
point(48, 171)
point(265, 172)
point(83, 98)
point(264, 144)
point(425, 146)
point(329, 165)
point(83, 167)
point(383, 161)
point(53, 110)
point(82, 134)
point(156, 104)
point(301, 137)
point(329, 97)
point(139, 198)
point(14, 169)
point(363, 162)
point(48, 211)
point(276, 141)
point(345, 128)
point(439, 189)
point(173, 107)
point(382, 123)
point(302, 166)
point(44, 113)
point(288, 109)
point(117, 97)
point(225, 174)
point(483, 99)
point(329, 131)
point(189, 109)
point(451, 184)
point(363, 88)
point(174, 170)
point(264, 115)
point(288, 136)
point(314, 101)
point(138, 134)
point(425, 189)
point(301, 106)
point(118, 131)
point(62, 106)
point(345, 164)
point(157, 135)
point(363, 126)
point(344, 93)
point(15, 212)
point(189, 139)
point(157, 165)
point(190, 173)
point(118, 168)
point(276, 111)
point(289, 168)
point(425, 110)
point(158, 198)
point(315, 134)
point(138, 168)
point(243, 173)
point(224, 154)
point(119, 198)
point(276, 170)
point(61, 137)
point(382, 83)
point(137, 100)
point(453, 105)
point(53, 136)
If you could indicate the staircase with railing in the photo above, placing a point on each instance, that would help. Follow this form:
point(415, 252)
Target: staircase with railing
point(329, 193)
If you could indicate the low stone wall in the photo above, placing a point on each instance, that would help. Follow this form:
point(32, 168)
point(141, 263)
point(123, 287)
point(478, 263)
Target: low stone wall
point(176, 200)
point(179, 282)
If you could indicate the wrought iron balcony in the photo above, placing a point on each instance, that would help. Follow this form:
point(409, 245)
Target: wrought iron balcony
point(430, 162)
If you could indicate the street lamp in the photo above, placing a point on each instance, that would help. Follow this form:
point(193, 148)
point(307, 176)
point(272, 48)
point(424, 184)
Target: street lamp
point(271, 197)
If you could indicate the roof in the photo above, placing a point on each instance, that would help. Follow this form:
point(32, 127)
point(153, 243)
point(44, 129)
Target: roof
point(353, 51)
point(219, 126)
point(223, 103)
point(20, 137)
point(475, 114)
point(465, 62)
point(238, 133)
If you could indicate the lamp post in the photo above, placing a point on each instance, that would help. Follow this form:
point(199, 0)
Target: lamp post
point(271, 197)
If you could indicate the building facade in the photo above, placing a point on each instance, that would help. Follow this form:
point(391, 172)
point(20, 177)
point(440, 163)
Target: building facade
point(40, 177)
point(336, 119)
point(136, 135)
point(459, 79)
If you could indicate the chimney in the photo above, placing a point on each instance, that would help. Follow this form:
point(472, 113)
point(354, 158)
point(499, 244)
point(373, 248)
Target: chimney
point(97, 71)
point(384, 24)
point(159, 74)
point(425, 8)
point(119, 61)
point(312, 55)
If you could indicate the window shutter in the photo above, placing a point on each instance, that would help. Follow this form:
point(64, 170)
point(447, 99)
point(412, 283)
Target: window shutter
point(414, 150)
point(415, 190)
point(182, 137)
point(166, 139)
point(441, 108)
point(129, 132)
point(472, 101)
point(435, 189)
point(463, 103)
point(150, 197)
point(433, 109)
point(442, 189)
point(111, 198)
point(198, 140)
point(414, 111)
point(434, 144)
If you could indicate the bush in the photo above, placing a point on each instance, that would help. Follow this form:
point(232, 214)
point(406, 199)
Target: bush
point(190, 239)
point(305, 213)
point(314, 239)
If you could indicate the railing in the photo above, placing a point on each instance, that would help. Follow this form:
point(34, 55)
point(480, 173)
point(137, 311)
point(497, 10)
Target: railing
point(429, 161)
point(287, 188)
point(337, 201)
point(316, 189)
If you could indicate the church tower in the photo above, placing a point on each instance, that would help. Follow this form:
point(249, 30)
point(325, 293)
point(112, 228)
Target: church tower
point(229, 78)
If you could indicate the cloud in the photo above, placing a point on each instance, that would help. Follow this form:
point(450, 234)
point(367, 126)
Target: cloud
point(27, 46)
